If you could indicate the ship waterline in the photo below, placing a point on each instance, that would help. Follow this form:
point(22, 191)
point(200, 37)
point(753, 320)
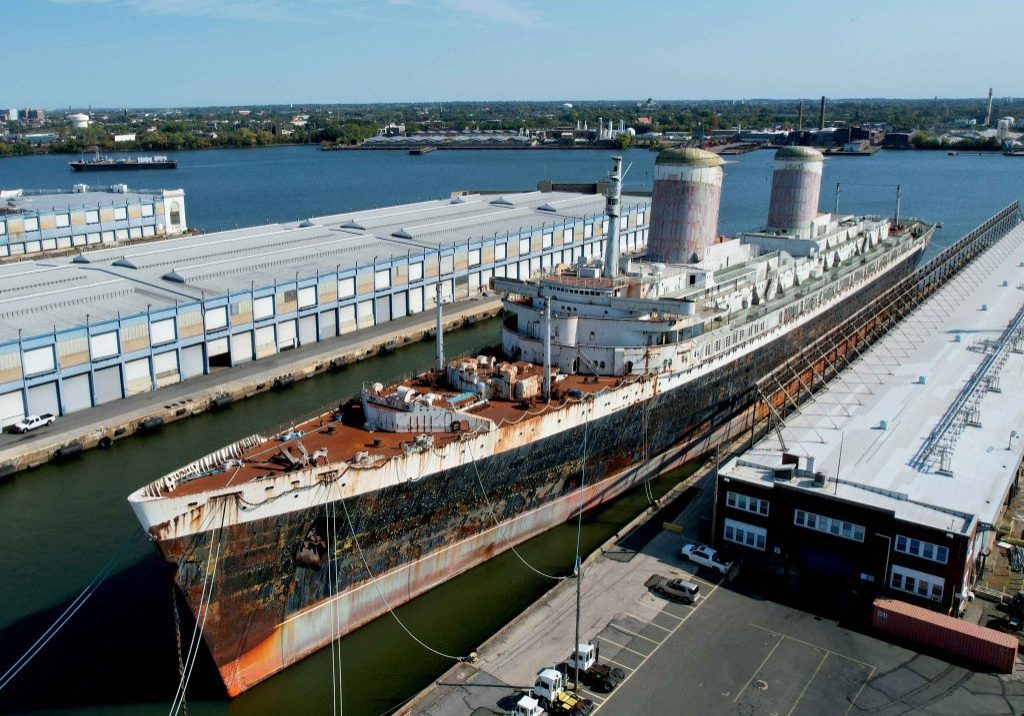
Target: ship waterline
point(274, 599)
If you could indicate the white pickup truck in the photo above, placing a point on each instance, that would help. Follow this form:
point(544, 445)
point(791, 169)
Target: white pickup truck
point(706, 557)
point(32, 422)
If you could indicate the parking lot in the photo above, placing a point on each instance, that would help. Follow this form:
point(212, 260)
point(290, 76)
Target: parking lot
point(732, 652)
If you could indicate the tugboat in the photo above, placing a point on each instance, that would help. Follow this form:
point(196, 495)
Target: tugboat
point(101, 163)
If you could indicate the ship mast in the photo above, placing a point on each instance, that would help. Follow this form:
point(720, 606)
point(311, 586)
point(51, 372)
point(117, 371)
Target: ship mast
point(611, 210)
point(439, 331)
point(547, 348)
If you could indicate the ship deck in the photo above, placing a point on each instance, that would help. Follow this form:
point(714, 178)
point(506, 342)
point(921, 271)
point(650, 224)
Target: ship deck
point(343, 435)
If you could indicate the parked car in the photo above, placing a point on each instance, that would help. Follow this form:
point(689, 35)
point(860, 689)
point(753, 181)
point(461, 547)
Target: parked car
point(706, 557)
point(33, 422)
point(676, 590)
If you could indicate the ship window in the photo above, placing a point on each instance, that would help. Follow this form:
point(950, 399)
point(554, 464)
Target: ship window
point(693, 280)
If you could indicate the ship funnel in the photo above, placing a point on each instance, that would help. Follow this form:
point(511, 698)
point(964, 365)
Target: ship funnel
point(796, 187)
point(612, 211)
point(684, 206)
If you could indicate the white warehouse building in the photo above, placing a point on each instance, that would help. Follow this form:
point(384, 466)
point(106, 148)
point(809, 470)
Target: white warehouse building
point(115, 322)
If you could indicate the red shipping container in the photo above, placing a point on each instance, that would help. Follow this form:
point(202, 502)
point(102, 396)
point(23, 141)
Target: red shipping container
point(964, 640)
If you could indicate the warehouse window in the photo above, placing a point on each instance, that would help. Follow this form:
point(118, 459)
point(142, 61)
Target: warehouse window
point(500, 251)
point(920, 548)
point(524, 246)
point(919, 583)
point(746, 535)
point(474, 257)
point(829, 525)
point(745, 502)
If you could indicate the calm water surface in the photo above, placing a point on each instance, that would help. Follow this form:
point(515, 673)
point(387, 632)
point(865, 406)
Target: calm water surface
point(59, 525)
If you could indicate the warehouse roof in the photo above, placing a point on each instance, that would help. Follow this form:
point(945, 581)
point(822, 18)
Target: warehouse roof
point(21, 201)
point(41, 294)
point(914, 390)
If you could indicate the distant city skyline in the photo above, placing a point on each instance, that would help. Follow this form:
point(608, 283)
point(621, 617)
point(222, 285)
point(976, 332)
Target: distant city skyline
point(194, 53)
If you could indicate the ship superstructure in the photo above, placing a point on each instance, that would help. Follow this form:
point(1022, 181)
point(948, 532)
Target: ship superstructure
point(371, 504)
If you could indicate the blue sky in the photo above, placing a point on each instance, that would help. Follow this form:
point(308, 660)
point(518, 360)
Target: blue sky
point(164, 53)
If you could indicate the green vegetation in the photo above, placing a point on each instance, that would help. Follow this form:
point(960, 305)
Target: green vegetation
point(199, 128)
point(624, 141)
point(927, 140)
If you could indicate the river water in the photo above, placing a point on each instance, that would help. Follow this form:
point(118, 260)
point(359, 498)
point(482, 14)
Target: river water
point(60, 524)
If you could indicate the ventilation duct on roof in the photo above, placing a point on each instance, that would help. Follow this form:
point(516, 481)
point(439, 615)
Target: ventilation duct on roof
point(306, 224)
point(546, 207)
point(80, 259)
point(458, 200)
point(173, 276)
point(502, 201)
point(402, 234)
point(353, 224)
point(124, 262)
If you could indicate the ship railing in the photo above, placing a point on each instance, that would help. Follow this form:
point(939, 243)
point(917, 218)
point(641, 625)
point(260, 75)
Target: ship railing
point(204, 465)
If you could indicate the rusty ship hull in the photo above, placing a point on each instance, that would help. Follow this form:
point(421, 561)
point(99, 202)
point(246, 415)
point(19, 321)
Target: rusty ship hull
point(284, 587)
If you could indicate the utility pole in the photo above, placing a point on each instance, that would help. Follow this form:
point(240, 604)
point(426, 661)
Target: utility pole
point(575, 646)
point(899, 194)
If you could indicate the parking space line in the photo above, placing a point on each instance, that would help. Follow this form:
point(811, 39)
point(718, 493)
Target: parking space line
point(606, 640)
point(615, 626)
point(628, 614)
point(669, 614)
point(856, 696)
point(804, 689)
point(815, 646)
point(759, 667)
point(645, 657)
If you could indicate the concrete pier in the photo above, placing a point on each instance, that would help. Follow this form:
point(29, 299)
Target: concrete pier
point(119, 419)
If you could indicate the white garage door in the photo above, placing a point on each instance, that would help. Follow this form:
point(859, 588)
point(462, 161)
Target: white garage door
point(136, 377)
point(241, 348)
point(415, 300)
point(12, 408)
point(398, 304)
point(265, 345)
point(43, 399)
point(191, 361)
point(285, 335)
point(218, 347)
point(307, 330)
point(328, 324)
point(165, 368)
point(107, 384)
point(76, 393)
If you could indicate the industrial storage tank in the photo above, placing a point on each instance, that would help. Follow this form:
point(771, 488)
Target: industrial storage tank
point(684, 207)
point(796, 187)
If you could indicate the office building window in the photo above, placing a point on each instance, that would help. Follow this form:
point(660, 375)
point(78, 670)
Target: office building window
point(829, 525)
point(918, 583)
point(745, 502)
point(919, 548)
point(744, 534)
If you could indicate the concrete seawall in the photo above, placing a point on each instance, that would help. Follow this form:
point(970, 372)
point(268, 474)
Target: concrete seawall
point(100, 426)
